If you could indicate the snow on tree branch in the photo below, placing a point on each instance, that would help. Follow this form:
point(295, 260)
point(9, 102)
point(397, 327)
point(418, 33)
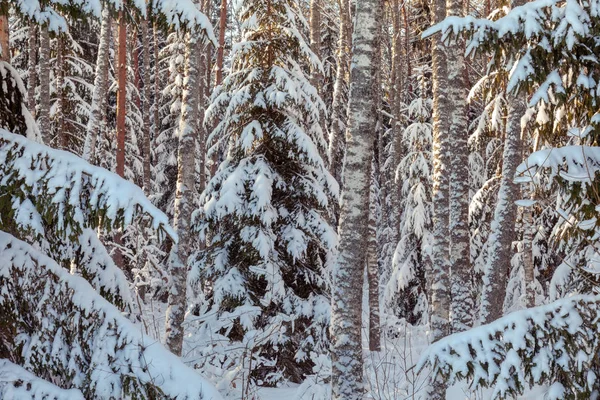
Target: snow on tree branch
point(18, 383)
point(75, 338)
point(555, 344)
point(69, 193)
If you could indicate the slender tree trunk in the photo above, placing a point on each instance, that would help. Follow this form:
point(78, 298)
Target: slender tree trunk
point(156, 123)
point(121, 92)
point(460, 265)
point(315, 40)
point(438, 276)
point(221, 49)
point(4, 38)
point(339, 114)
point(184, 203)
point(99, 97)
point(63, 134)
point(346, 324)
point(373, 264)
point(121, 66)
point(32, 67)
point(44, 109)
point(396, 103)
point(503, 226)
point(146, 107)
point(528, 267)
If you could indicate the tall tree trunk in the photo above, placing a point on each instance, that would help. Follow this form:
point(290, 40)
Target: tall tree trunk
point(315, 40)
point(146, 107)
point(44, 109)
point(438, 275)
point(184, 202)
point(373, 264)
point(156, 123)
point(460, 266)
point(337, 142)
point(99, 98)
point(4, 38)
point(121, 66)
point(32, 67)
point(121, 92)
point(221, 49)
point(502, 228)
point(63, 135)
point(346, 321)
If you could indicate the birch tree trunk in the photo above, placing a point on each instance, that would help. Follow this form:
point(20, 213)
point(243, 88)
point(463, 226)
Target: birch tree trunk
point(44, 109)
point(337, 141)
point(99, 98)
point(184, 203)
point(503, 226)
point(63, 135)
point(373, 264)
point(32, 67)
point(460, 266)
point(438, 275)
point(346, 324)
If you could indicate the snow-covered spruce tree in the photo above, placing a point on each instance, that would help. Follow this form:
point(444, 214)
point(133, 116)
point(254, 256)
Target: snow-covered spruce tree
point(406, 289)
point(554, 345)
point(265, 211)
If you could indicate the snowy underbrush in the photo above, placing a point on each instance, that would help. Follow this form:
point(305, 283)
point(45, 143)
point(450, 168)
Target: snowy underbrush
point(58, 328)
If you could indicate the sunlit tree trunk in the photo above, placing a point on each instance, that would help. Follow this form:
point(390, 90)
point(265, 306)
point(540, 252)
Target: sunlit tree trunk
point(184, 202)
point(146, 107)
point(44, 107)
point(346, 324)
point(4, 38)
point(462, 306)
point(99, 98)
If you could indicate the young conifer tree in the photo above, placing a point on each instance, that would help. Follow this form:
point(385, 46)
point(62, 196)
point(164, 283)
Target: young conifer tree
point(265, 211)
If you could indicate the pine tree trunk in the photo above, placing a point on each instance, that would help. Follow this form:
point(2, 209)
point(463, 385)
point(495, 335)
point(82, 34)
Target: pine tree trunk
point(502, 228)
point(44, 109)
point(337, 140)
point(99, 94)
point(184, 203)
point(156, 124)
point(460, 265)
point(346, 324)
point(121, 67)
point(146, 107)
point(438, 275)
point(396, 103)
point(32, 67)
point(4, 38)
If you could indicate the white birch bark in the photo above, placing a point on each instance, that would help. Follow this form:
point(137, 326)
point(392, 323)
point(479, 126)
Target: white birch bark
point(315, 40)
point(32, 67)
point(44, 108)
point(99, 98)
point(502, 233)
point(346, 324)
point(339, 107)
point(438, 275)
point(460, 266)
point(184, 206)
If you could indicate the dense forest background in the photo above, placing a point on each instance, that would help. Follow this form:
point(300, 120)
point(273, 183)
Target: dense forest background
point(298, 198)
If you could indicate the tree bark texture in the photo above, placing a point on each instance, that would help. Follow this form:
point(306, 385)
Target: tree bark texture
point(346, 324)
point(184, 203)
